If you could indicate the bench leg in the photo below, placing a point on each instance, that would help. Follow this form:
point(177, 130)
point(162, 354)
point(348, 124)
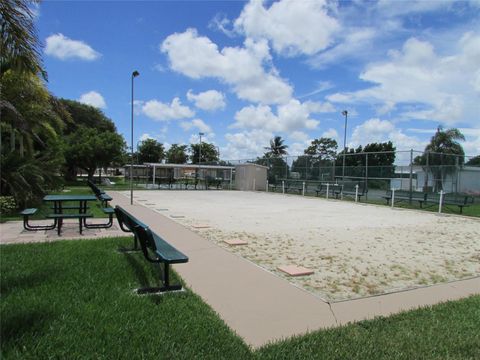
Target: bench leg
point(166, 284)
point(80, 222)
point(100, 226)
point(59, 227)
point(29, 227)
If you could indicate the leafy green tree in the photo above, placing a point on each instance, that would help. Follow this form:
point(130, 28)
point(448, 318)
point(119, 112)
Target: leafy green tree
point(322, 149)
point(474, 161)
point(177, 154)
point(150, 151)
point(89, 149)
point(209, 153)
point(277, 167)
point(318, 162)
point(87, 116)
point(277, 147)
point(84, 116)
point(442, 155)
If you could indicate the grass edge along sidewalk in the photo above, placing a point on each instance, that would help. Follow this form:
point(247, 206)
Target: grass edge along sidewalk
point(71, 299)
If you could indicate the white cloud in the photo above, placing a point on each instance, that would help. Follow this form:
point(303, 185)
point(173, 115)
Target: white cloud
point(222, 23)
point(330, 133)
point(376, 130)
point(63, 48)
point(445, 88)
point(246, 145)
point(355, 43)
point(321, 87)
point(207, 137)
point(93, 98)
point(159, 111)
point(290, 117)
point(158, 136)
point(198, 57)
point(299, 136)
point(196, 124)
point(208, 100)
point(294, 27)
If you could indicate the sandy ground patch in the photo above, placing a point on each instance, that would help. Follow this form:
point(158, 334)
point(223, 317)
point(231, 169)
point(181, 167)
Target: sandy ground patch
point(355, 250)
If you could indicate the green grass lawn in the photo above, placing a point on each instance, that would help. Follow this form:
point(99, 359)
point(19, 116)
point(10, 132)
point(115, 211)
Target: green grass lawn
point(74, 299)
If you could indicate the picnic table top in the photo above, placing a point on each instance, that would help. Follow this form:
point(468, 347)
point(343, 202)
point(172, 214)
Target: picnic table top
point(70, 197)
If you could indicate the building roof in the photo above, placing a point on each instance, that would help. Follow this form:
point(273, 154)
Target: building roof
point(189, 166)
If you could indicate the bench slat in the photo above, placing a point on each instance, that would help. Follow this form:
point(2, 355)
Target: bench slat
point(29, 211)
point(167, 252)
point(68, 216)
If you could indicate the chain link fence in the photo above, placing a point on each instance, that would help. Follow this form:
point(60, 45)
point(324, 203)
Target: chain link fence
point(411, 170)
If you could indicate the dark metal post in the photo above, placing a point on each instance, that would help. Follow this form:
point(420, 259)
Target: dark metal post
point(344, 113)
point(411, 176)
point(134, 74)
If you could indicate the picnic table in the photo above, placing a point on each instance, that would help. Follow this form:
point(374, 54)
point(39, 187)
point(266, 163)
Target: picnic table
point(58, 201)
point(58, 209)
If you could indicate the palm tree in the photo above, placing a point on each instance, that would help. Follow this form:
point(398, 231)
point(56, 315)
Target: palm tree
point(19, 46)
point(442, 155)
point(277, 148)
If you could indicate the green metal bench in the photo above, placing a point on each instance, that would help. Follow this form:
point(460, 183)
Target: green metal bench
point(100, 194)
point(295, 186)
point(155, 250)
point(455, 199)
point(60, 217)
point(126, 222)
point(349, 190)
point(403, 195)
point(27, 226)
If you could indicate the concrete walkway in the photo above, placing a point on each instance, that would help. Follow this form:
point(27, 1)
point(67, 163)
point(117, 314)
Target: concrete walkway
point(262, 307)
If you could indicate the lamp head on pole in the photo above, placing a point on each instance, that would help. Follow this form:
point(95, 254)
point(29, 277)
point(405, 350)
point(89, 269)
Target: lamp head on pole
point(135, 74)
point(344, 112)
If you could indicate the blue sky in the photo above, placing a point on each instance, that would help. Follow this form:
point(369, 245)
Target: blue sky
point(242, 72)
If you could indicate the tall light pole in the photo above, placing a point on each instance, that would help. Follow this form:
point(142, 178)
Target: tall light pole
point(200, 148)
point(134, 75)
point(344, 113)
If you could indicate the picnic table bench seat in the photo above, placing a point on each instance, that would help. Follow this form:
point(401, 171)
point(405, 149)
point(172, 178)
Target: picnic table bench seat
point(108, 211)
point(26, 213)
point(60, 217)
point(155, 250)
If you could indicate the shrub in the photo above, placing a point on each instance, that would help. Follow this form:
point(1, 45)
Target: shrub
point(7, 204)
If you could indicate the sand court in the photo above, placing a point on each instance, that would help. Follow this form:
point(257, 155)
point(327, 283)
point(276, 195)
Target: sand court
point(354, 250)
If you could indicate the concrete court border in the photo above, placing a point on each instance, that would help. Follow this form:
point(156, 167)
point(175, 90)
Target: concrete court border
point(260, 306)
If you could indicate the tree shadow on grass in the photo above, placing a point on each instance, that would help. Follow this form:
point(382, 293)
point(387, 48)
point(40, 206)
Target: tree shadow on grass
point(25, 281)
point(150, 275)
point(15, 326)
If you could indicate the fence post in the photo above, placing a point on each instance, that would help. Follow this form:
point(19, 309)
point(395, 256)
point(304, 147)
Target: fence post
point(328, 184)
point(356, 193)
point(441, 202)
point(457, 173)
point(411, 177)
point(283, 186)
point(426, 172)
point(303, 189)
point(366, 177)
point(393, 197)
